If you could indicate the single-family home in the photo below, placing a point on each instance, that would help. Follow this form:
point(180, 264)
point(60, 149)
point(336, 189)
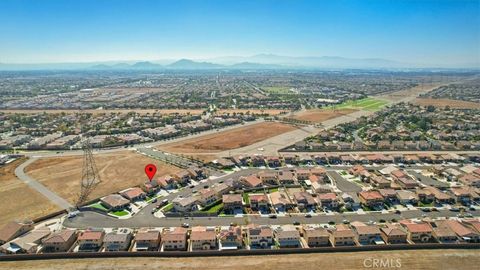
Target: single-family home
point(315, 236)
point(90, 240)
point(232, 203)
point(203, 238)
point(148, 240)
point(287, 236)
point(230, 238)
point(118, 240)
point(60, 241)
point(174, 239)
point(13, 230)
point(260, 236)
point(393, 234)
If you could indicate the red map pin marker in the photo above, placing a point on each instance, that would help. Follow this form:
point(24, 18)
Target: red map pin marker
point(150, 170)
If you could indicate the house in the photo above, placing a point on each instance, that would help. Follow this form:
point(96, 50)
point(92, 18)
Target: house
point(258, 201)
point(471, 179)
point(182, 177)
point(134, 194)
point(440, 197)
point(250, 181)
point(405, 197)
point(174, 239)
point(260, 236)
point(302, 174)
point(371, 198)
point(13, 230)
point(166, 182)
point(268, 177)
point(26, 243)
point(223, 163)
point(117, 241)
point(258, 161)
point(202, 238)
point(305, 201)
point(114, 202)
point(291, 159)
point(403, 180)
point(465, 233)
point(462, 195)
point(420, 232)
point(208, 196)
point(315, 236)
point(273, 162)
point(230, 238)
point(286, 178)
point(393, 234)
point(287, 236)
point(232, 203)
point(367, 234)
point(147, 241)
point(60, 241)
point(90, 240)
point(320, 188)
point(351, 200)
point(186, 204)
point(328, 200)
point(444, 234)
point(380, 182)
point(342, 236)
point(388, 194)
point(280, 201)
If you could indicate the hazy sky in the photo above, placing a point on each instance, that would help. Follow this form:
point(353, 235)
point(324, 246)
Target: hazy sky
point(421, 32)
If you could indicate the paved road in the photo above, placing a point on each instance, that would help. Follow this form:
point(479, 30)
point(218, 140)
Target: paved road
point(427, 180)
point(92, 219)
point(343, 184)
point(54, 198)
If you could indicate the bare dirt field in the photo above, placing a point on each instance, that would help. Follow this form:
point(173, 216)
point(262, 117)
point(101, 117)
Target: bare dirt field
point(229, 139)
point(443, 102)
point(404, 259)
point(146, 111)
point(19, 201)
point(320, 115)
point(118, 171)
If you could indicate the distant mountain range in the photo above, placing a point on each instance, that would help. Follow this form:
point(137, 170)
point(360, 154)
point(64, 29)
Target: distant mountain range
point(255, 62)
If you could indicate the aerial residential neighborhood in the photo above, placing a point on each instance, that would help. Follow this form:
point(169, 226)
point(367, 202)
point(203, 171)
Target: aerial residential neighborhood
point(239, 135)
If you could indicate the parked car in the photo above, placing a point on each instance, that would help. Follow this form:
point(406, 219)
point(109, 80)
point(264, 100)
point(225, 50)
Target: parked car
point(185, 225)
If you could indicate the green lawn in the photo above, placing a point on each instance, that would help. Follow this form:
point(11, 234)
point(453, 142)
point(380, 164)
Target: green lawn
point(99, 206)
point(167, 207)
point(279, 90)
point(369, 104)
point(213, 208)
point(119, 213)
point(421, 204)
point(246, 199)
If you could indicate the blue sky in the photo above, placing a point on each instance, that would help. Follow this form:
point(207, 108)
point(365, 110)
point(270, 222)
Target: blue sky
point(421, 32)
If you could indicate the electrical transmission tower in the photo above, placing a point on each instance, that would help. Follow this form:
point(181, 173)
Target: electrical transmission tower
point(90, 177)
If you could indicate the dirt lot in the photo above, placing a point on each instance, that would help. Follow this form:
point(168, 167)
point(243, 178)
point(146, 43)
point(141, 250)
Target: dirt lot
point(457, 104)
point(18, 200)
point(320, 115)
point(229, 139)
point(408, 259)
point(145, 111)
point(118, 171)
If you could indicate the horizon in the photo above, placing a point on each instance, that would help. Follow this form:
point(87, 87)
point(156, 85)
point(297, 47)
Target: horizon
point(420, 33)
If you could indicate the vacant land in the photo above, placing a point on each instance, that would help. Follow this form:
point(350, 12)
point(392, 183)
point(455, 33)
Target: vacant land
point(369, 104)
point(230, 139)
point(149, 111)
point(19, 201)
point(443, 102)
point(320, 115)
point(408, 259)
point(117, 171)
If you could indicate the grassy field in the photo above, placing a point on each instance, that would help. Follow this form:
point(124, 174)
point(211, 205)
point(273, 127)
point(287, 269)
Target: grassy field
point(229, 139)
point(369, 104)
point(19, 201)
point(119, 170)
point(407, 259)
point(278, 90)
